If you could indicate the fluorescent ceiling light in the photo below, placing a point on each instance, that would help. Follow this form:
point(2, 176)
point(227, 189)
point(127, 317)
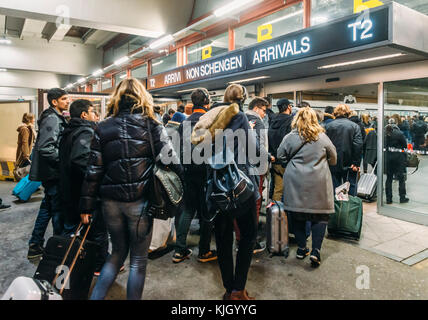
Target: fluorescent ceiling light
point(162, 41)
point(98, 72)
point(232, 7)
point(199, 49)
point(285, 17)
point(320, 19)
point(121, 60)
point(187, 90)
point(3, 70)
point(5, 41)
point(81, 80)
point(157, 63)
point(123, 76)
point(107, 82)
point(250, 79)
point(361, 61)
point(69, 85)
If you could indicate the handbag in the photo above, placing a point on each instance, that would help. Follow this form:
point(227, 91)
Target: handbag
point(228, 188)
point(167, 189)
point(412, 161)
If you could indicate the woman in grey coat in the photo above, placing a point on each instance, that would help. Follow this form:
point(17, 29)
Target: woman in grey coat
point(308, 188)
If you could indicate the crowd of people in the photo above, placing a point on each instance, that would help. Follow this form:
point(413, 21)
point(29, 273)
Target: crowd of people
point(100, 172)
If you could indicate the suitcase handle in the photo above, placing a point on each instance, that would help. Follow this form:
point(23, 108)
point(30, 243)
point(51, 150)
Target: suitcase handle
point(75, 258)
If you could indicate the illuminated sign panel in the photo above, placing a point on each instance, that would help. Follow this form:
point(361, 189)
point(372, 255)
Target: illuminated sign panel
point(353, 32)
point(345, 34)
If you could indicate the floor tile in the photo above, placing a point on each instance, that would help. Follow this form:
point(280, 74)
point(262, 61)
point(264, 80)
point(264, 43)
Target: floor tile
point(400, 248)
point(416, 238)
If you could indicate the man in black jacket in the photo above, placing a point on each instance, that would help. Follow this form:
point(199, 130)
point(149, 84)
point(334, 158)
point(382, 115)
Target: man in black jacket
point(194, 196)
point(395, 142)
point(45, 168)
point(74, 152)
point(346, 137)
point(279, 128)
point(419, 128)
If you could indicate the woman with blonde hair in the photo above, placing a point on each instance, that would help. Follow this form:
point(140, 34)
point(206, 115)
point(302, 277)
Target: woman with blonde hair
point(26, 138)
point(119, 172)
point(308, 188)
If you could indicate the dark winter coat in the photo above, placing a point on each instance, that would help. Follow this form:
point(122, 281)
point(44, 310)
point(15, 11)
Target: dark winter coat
point(121, 162)
point(327, 119)
point(74, 152)
point(279, 128)
point(370, 148)
point(395, 139)
point(346, 137)
point(358, 121)
point(45, 161)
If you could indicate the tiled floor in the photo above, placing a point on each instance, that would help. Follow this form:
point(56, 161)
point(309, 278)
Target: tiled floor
point(398, 240)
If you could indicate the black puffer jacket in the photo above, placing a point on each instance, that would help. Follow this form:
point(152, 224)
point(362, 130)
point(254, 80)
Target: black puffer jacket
point(278, 129)
point(346, 137)
point(121, 163)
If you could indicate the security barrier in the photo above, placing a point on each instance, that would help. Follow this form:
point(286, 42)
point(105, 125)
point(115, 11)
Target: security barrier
point(7, 168)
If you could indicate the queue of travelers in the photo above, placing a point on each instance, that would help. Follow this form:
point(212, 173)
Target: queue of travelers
point(101, 172)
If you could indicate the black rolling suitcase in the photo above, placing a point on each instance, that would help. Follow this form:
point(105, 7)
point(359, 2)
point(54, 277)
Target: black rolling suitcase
point(277, 229)
point(68, 263)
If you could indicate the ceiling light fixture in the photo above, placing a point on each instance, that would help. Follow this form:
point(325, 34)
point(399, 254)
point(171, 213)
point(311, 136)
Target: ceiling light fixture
point(361, 61)
point(233, 7)
point(69, 85)
point(107, 82)
point(199, 49)
point(161, 42)
point(123, 76)
point(98, 72)
point(3, 70)
point(187, 90)
point(250, 79)
point(157, 63)
point(121, 60)
point(81, 80)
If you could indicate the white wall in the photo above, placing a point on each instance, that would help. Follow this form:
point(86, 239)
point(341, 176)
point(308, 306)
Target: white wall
point(32, 79)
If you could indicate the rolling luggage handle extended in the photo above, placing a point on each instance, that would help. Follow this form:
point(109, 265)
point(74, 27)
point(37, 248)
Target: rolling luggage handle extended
point(75, 257)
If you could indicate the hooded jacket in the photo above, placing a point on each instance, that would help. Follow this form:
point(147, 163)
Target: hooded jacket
point(74, 152)
point(26, 137)
point(45, 160)
point(229, 116)
point(278, 129)
point(121, 161)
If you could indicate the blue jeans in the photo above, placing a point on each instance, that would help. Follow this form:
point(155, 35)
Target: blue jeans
point(49, 209)
point(130, 233)
point(340, 178)
point(318, 232)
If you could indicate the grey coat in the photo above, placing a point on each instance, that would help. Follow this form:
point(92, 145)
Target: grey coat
point(308, 185)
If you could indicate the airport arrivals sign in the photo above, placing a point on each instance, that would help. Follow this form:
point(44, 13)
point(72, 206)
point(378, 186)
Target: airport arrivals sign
point(348, 33)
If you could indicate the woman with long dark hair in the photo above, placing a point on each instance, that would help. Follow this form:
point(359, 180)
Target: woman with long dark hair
point(119, 172)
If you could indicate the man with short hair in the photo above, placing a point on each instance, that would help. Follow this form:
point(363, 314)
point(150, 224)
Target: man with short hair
point(279, 128)
point(74, 153)
point(328, 115)
point(45, 168)
point(195, 177)
point(168, 116)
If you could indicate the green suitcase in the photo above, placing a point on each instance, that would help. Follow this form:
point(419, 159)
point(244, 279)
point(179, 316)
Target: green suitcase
point(347, 220)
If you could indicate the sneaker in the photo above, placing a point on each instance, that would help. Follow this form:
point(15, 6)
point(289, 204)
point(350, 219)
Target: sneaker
point(259, 247)
point(209, 256)
point(178, 257)
point(315, 258)
point(302, 253)
point(34, 251)
point(4, 206)
point(404, 200)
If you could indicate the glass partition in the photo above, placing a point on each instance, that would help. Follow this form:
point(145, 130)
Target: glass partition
point(280, 23)
point(405, 143)
point(165, 63)
point(208, 48)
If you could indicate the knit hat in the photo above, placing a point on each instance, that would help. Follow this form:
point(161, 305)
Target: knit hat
point(178, 117)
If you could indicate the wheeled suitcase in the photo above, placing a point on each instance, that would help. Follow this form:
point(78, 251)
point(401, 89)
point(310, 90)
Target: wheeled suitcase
point(347, 220)
point(68, 263)
point(25, 188)
point(24, 288)
point(367, 185)
point(277, 229)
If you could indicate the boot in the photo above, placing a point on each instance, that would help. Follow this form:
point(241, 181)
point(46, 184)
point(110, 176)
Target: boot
point(226, 296)
point(241, 295)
